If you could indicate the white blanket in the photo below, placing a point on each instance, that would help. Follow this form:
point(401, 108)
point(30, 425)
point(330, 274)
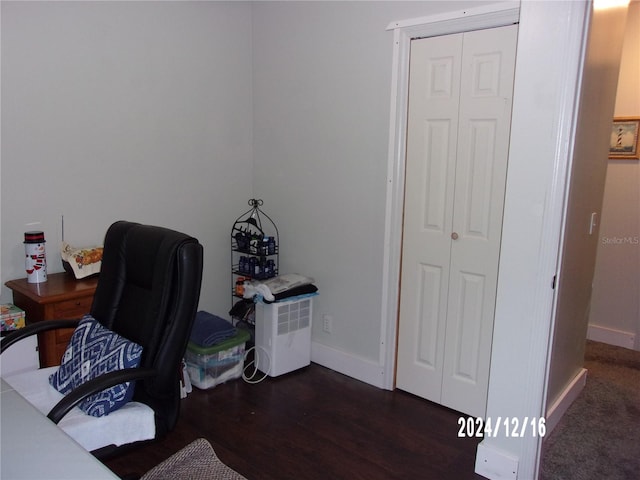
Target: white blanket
point(131, 423)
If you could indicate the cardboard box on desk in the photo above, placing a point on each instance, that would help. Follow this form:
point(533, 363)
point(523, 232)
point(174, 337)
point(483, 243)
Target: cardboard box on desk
point(11, 317)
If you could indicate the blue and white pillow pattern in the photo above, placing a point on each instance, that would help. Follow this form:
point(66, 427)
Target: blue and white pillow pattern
point(92, 351)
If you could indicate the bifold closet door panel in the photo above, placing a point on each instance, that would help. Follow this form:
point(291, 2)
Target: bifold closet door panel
point(486, 92)
point(432, 137)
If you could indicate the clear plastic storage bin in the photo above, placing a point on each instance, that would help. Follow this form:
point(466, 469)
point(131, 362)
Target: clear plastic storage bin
point(208, 367)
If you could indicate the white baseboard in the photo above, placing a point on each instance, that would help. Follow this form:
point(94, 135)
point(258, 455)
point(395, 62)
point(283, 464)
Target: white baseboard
point(347, 364)
point(611, 336)
point(495, 464)
point(564, 400)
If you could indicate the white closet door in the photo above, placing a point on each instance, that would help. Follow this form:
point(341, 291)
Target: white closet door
point(454, 194)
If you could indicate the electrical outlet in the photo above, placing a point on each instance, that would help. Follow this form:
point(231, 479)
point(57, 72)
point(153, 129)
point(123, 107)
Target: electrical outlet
point(327, 323)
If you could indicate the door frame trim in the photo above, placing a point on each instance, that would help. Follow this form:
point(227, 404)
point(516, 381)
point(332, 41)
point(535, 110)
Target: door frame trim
point(498, 15)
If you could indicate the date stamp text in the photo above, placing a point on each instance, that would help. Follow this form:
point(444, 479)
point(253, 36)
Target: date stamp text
point(501, 426)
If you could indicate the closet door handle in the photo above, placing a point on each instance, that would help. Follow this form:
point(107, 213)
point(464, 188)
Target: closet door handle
point(454, 236)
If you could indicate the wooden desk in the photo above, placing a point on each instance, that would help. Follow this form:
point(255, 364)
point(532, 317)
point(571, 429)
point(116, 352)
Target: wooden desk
point(33, 447)
point(60, 297)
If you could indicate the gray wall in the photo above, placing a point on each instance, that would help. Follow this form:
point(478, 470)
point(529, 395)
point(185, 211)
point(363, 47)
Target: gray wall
point(322, 73)
point(176, 113)
point(126, 110)
point(615, 307)
point(147, 111)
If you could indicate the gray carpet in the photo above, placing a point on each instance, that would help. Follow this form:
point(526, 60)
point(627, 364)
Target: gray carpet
point(599, 436)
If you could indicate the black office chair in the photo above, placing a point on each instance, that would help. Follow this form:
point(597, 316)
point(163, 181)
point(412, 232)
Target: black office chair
point(147, 292)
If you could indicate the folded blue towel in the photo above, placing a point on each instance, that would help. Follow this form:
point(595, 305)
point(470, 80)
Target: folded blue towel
point(209, 330)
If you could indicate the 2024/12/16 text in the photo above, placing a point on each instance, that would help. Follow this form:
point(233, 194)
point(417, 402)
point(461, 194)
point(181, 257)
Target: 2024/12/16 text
point(507, 426)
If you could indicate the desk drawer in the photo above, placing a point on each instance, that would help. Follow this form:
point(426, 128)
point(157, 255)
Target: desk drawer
point(71, 309)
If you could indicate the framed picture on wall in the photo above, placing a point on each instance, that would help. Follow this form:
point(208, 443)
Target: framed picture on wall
point(624, 138)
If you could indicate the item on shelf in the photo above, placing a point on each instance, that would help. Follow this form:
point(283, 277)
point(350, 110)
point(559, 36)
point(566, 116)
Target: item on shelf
point(286, 282)
point(35, 262)
point(11, 317)
point(258, 289)
point(240, 286)
point(280, 288)
point(295, 292)
point(81, 262)
point(209, 330)
point(244, 311)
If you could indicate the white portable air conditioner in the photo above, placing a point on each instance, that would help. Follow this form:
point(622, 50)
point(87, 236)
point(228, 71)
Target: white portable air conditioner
point(283, 336)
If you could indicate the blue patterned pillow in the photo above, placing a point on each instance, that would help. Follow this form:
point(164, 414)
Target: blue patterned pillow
point(92, 351)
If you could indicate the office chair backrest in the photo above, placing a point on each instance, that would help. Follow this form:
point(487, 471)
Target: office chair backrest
point(148, 292)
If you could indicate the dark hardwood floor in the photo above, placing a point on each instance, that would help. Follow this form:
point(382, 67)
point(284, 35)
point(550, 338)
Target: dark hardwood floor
point(316, 424)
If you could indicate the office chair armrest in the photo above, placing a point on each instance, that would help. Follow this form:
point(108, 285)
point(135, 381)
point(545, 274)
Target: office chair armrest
point(96, 385)
point(34, 328)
